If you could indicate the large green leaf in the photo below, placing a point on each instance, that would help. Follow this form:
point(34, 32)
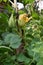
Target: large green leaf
point(22, 58)
point(13, 40)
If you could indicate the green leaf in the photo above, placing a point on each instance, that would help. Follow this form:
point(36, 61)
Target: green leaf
point(35, 15)
point(3, 22)
point(22, 58)
point(40, 62)
point(11, 21)
point(13, 39)
point(1, 42)
point(0, 1)
point(27, 1)
point(5, 49)
point(5, 0)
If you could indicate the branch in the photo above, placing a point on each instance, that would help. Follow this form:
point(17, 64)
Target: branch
point(15, 2)
point(11, 2)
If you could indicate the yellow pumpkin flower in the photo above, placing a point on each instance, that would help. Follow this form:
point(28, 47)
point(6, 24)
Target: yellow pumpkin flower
point(23, 18)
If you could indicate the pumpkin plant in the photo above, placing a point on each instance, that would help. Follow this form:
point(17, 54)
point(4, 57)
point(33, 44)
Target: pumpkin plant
point(21, 36)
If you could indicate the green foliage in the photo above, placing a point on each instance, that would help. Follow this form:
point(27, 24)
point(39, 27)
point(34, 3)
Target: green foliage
point(40, 62)
point(0, 1)
point(22, 58)
point(27, 1)
point(13, 40)
point(3, 1)
point(20, 45)
point(35, 15)
point(11, 21)
point(3, 22)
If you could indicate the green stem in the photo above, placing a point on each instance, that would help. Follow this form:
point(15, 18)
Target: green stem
point(31, 62)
